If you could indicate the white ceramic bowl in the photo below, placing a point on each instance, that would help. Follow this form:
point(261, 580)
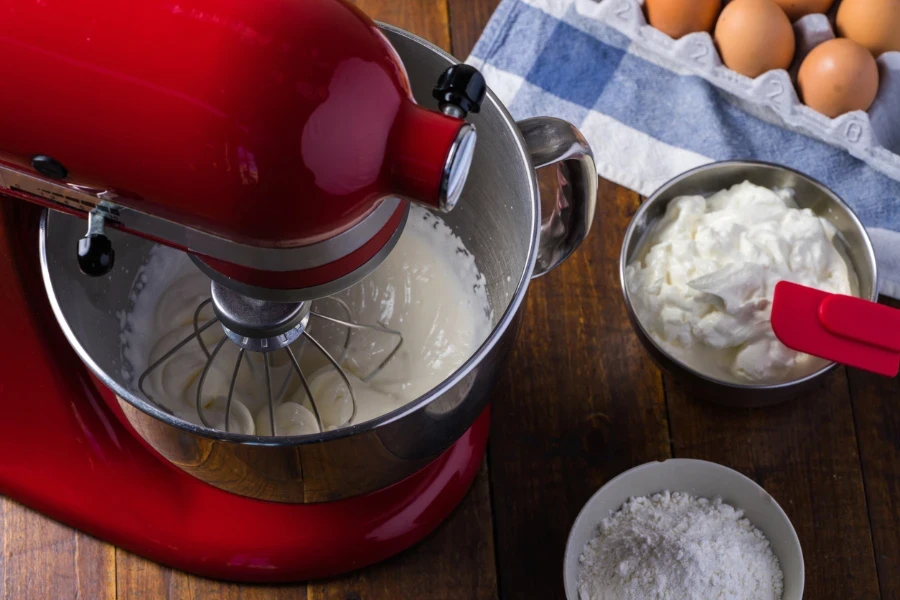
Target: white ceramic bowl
point(699, 478)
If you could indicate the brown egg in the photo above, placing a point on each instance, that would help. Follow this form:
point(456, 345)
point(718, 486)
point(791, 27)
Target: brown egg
point(677, 18)
point(755, 36)
point(873, 23)
point(800, 8)
point(837, 77)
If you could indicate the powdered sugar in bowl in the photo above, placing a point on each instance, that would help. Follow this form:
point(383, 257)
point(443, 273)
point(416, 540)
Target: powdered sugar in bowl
point(768, 542)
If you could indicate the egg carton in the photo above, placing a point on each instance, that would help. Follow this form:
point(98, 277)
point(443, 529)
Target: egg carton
point(873, 136)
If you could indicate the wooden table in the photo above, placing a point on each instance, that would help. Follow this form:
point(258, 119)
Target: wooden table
point(580, 403)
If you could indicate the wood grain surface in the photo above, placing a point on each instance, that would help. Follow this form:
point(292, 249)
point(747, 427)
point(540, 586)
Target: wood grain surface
point(580, 403)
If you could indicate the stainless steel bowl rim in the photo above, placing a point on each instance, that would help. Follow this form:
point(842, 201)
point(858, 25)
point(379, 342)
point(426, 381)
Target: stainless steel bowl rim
point(648, 203)
point(397, 414)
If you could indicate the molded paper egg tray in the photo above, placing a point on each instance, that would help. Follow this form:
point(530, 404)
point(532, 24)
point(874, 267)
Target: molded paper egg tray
point(873, 137)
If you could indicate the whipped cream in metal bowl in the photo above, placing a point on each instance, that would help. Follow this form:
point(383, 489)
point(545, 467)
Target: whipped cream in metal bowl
point(703, 285)
point(429, 289)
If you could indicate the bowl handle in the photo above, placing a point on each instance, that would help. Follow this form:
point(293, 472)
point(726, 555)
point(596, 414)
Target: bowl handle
point(554, 141)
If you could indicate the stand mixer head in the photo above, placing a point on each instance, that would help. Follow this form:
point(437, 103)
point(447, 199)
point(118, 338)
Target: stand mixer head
point(280, 155)
point(286, 174)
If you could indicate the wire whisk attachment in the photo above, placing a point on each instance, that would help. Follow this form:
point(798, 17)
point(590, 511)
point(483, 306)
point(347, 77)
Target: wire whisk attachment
point(269, 336)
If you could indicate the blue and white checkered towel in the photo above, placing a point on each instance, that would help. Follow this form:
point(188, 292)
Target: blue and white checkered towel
point(647, 123)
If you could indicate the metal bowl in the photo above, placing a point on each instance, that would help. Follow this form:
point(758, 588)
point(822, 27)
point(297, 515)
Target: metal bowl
point(707, 180)
point(498, 218)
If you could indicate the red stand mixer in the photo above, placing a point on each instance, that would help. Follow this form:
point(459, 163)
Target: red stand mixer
point(279, 143)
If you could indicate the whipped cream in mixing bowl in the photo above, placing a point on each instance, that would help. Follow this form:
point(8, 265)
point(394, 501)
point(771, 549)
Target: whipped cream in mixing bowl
point(703, 287)
point(428, 288)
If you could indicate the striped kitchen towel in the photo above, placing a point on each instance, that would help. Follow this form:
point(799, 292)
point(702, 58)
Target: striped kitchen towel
point(647, 123)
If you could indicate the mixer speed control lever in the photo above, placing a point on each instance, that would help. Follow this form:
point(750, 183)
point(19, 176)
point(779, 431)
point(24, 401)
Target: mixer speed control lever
point(95, 252)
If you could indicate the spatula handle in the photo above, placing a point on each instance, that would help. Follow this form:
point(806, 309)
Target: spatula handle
point(861, 320)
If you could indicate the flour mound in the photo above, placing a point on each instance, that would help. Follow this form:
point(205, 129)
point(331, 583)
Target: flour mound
point(674, 546)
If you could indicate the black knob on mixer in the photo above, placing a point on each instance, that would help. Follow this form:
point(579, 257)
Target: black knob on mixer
point(49, 167)
point(95, 252)
point(460, 90)
point(95, 255)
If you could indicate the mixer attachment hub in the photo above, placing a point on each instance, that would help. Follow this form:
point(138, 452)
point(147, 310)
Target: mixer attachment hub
point(259, 325)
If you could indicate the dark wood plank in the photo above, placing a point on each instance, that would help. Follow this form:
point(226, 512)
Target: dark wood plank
point(467, 20)
point(804, 453)
point(41, 559)
point(580, 403)
point(428, 19)
point(876, 407)
point(141, 579)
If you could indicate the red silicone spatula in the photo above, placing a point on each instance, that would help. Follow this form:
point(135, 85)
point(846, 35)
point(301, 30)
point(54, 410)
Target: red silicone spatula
point(847, 330)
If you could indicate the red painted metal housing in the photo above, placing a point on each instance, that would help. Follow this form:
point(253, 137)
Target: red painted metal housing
point(275, 123)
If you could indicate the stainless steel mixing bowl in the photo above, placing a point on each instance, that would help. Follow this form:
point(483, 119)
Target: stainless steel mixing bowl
point(498, 218)
point(705, 181)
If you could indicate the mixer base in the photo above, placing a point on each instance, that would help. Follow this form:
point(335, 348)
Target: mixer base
point(66, 455)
